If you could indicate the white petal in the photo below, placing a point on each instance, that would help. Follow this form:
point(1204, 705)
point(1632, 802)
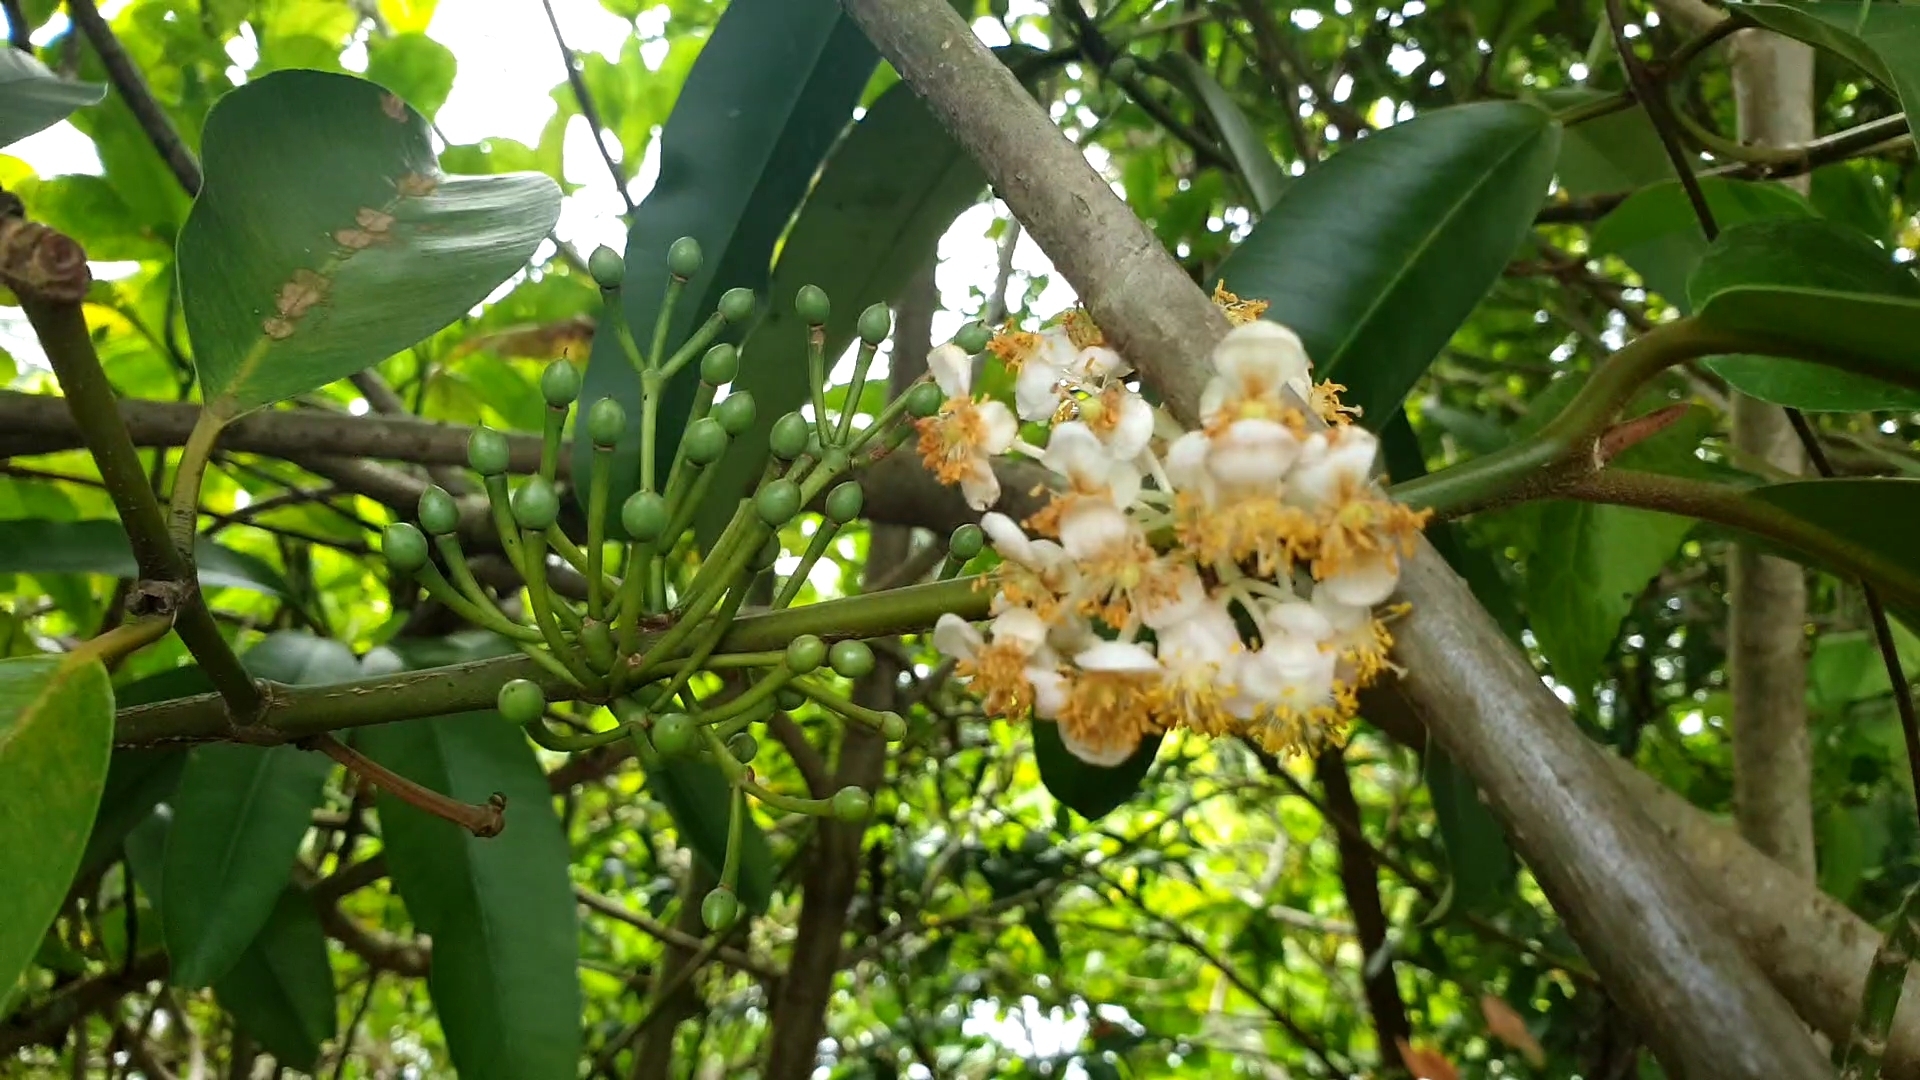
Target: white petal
point(1253, 454)
point(1330, 463)
point(1074, 451)
point(1102, 758)
point(1099, 362)
point(1365, 582)
point(1049, 691)
point(956, 637)
point(1091, 526)
point(1008, 539)
point(1189, 598)
point(1057, 351)
point(1021, 625)
point(1261, 356)
point(952, 369)
point(1034, 390)
point(980, 486)
point(1342, 617)
point(998, 427)
point(1187, 462)
point(1294, 620)
point(1123, 656)
point(1134, 428)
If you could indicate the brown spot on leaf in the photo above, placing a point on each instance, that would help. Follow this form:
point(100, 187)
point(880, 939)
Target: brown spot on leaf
point(395, 109)
point(416, 184)
point(356, 239)
point(277, 328)
point(300, 293)
point(374, 221)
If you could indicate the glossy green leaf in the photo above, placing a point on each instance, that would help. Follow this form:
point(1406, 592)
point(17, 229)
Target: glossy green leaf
point(773, 88)
point(697, 795)
point(1876, 515)
point(239, 817)
point(1263, 176)
point(1871, 335)
point(325, 238)
point(56, 733)
point(1376, 256)
point(414, 66)
point(1882, 40)
point(1617, 152)
point(100, 546)
point(1817, 254)
point(33, 98)
point(1656, 232)
point(500, 910)
point(1480, 861)
point(139, 777)
point(281, 991)
point(887, 194)
point(1094, 791)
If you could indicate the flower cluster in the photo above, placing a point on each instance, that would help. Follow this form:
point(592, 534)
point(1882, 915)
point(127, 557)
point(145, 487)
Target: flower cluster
point(1227, 580)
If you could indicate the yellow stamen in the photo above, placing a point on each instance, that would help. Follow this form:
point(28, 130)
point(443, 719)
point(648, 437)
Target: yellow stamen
point(998, 674)
point(1237, 311)
point(1014, 346)
point(1261, 528)
point(1107, 711)
point(1326, 404)
point(951, 441)
point(1081, 329)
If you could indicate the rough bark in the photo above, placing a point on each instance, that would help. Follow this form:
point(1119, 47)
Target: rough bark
point(832, 873)
point(1707, 1009)
point(1766, 595)
point(1360, 881)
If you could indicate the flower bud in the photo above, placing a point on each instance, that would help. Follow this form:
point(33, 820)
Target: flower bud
point(966, 542)
point(805, 653)
point(674, 734)
point(439, 514)
point(811, 304)
point(736, 305)
point(973, 338)
point(893, 726)
point(644, 516)
point(924, 400)
point(875, 324)
point(521, 702)
point(768, 554)
point(844, 502)
point(743, 747)
point(560, 383)
point(788, 440)
point(778, 502)
point(536, 506)
point(789, 699)
point(404, 547)
point(850, 805)
point(705, 441)
point(720, 910)
point(683, 257)
point(488, 451)
point(850, 659)
point(719, 366)
point(737, 413)
point(605, 422)
point(607, 267)
point(1123, 68)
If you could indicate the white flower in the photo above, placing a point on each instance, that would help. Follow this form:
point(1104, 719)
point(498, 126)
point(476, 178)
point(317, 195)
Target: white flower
point(1057, 361)
point(1122, 419)
point(1186, 600)
point(1332, 465)
point(958, 444)
point(1076, 453)
point(1116, 668)
point(1287, 676)
point(1364, 580)
point(1253, 456)
point(1252, 364)
point(1006, 665)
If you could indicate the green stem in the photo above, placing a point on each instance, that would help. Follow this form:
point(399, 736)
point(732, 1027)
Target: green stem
point(755, 695)
point(1886, 979)
point(651, 387)
point(500, 502)
point(183, 516)
point(122, 640)
point(611, 315)
point(564, 743)
point(655, 352)
point(1594, 110)
point(816, 547)
point(888, 416)
point(736, 826)
point(482, 612)
point(861, 361)
point(598, 483)
point(706, 643)
point(550, 443)
point(542, 601)
point(676, 474)
point(873, 718)
point(817, 380)
point(694, 345)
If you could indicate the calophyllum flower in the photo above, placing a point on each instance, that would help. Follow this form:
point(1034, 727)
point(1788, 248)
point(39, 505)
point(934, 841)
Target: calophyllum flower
point(1050, 363)
point(959, 442)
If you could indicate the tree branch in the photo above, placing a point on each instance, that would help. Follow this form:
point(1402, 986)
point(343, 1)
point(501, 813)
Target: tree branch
point(1360, 881)
point(19, 34)
point(679, 939)
point(133, 90)
point(584, 98)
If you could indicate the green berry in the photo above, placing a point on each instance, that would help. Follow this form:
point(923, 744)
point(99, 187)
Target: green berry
point(925, 399)
point(893, 726)
point(488, 451)
point(439, 514)
point(607, 267)
point(605, 421)
point(788, 440)
point(850, 659)
point(705, 441)
point(644, 516)
point(720, 910)
point(521, 702)
point(743, 747)
point(736, 305)
point(966, 542)
point(813, 445)
point(811, 304)
point(1123, 68)
point(674, 734)
point(768, 554)
point(789, 699)
point(737, 412)
point(720, 365)
point(805, 653)
point(778, 502)
point(973, 338)
point(560, 383)
point(844, 502)
point(535, 505)
point(875, 324)
point(850, 805)
point(404, 547)
point(683, 257)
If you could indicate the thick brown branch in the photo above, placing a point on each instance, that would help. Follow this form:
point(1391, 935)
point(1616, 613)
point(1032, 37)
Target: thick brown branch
point(1361, 883)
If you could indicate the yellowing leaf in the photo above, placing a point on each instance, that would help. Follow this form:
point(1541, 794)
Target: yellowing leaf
point(1426, 1063)
point(1511, 1028)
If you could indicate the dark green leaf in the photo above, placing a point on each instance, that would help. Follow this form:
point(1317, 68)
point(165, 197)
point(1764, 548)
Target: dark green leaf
point(1656, 232)
point(888, 192)
point(1849, 192)
point(1876, 515)
point(325, 238)
point(280, 991)
point(1378, 255)
point(139, 778)
point(238, 821)
point(1617, 152)
point(1093, 790)
point(56, 733)
point(33, 98)
point(1479, 859)
point(37, 546)
point(699, 798)
point(1816, 254)
point(1251, 159)
point(1882, 40)
point(501, 910)
point(1871, 335)
point(773, 87)
point(414, 66)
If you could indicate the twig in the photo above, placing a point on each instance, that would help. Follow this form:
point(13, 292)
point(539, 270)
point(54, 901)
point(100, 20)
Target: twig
point(133, 89)
point(806, 757)
point(481, 821)
point(353, 1026)
point(1359, 880)
point(614, 909)
point(19, 35)
point(1647, 88)
point(577, 80)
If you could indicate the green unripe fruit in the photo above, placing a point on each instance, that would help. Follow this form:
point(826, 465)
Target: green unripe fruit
point(597, 642)
point(607, 267)
point(789, 699)
point(973, 338)
point(705, 441)
point(805, 653)
point(535, 505)
point(605, 421)
point(674, 734)
point(1123, 68)
point(893, 726)
point(924, 400)
point(521, 702)
point(404, 547)
point(778, 502)
point(743, 747)
point(683, 257)
point(813, 446)
point(439, 514)
point(720, 364)
point(736, 305)
point(720, 910)
point(850, 805)
point(768, 554)
point(560, 383)
point(875, 324)
point(850, 659)
point(844, 502)
point(737, 413)
point(811, 304)
point(644, 516)
point(966, 542)
point(488, 451)
point(788, 440)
